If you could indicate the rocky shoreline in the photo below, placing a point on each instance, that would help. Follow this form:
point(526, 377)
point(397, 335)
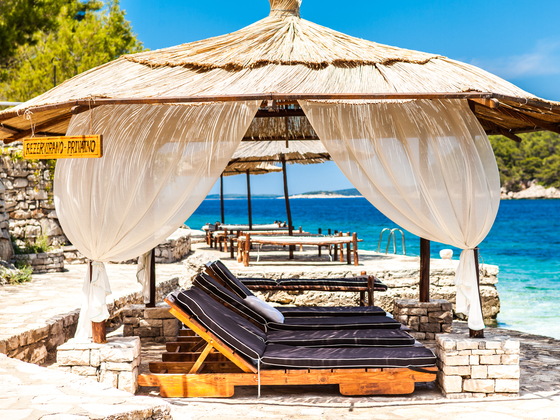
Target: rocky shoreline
point(534, 191)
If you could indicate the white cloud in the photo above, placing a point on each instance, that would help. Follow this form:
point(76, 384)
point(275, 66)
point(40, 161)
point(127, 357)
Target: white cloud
point(544, 59)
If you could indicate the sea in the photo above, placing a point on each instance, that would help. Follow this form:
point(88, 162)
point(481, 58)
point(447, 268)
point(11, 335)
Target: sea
point(524, 242)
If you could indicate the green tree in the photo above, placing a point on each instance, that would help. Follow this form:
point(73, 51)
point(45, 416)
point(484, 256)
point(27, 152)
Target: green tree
point(537, 157)
point(21, 21)
point(87, 35)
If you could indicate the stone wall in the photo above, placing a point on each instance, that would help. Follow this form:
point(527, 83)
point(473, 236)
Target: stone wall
point(477, 367)
point(425, 319)
point(28, 197)
point(45, 262)
point(114, 363)
point(6, 249)
point(155, 324)
point(36, 344)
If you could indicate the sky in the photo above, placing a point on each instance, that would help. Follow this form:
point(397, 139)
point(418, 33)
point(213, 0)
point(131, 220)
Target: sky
point(518, 40)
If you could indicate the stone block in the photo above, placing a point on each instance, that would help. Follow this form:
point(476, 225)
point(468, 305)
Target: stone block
point(484, 352)
point(450, 383)
point(507, 385)
point(493, 345)
point(128, 330)
point(510, 359)
point(479, 385)
point(490, 360)
point(503, 371)
point(131, 320)
point(446, 343)
point(84, 370)
point(134, 311)
point(170, 328)
point(146, 332)
point(418, 311)
point(430, 336)
point(456, 370)
point(110, 378)
point(95, 357)
point(122, 366)
point(159, 312)
point(72, 357)
point(128, 381)
point(467, 344)
point(455, 360)
point(479, 372)
point(511, 346)
point(403, 319)
point(464, 353)
point(474, 360)
point(120, 349)
point(418, 335)
point(433, 328)
point(150, 323)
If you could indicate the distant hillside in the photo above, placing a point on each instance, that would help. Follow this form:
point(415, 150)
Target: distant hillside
point(346, 192)
point(239, 196)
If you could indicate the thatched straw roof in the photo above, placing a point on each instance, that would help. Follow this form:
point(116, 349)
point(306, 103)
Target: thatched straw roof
point(303, 152)
point(286, 58)
point(254, 168)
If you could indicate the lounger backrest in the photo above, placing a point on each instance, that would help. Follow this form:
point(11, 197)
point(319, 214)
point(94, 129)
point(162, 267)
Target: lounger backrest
point(229, 279)
point(228, 326)
point(223, 295)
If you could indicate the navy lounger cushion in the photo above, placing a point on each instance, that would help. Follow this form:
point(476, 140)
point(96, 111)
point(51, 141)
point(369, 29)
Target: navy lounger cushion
point(226, 296)
point(278, 355)
point(318, 311)
point(229, 327)
point(326, 338)
point(229, 279)
point(333, 323)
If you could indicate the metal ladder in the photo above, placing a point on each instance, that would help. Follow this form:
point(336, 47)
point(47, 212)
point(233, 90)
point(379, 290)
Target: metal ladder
point(391, 235)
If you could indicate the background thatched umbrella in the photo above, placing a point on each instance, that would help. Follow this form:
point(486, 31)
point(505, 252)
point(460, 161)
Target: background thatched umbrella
point(249, 168)
point(297, 151)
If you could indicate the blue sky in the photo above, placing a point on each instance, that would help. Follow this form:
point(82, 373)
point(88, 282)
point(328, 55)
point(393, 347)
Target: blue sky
point(518, 40)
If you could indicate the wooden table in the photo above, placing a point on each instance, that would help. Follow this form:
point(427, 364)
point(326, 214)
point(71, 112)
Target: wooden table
point(244, 244)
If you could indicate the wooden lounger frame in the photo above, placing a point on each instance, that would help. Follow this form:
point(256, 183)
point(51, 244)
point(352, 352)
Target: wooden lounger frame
point(189, 381)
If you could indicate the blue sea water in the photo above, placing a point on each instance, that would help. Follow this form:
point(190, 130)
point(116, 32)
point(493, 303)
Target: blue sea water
point(524, 242)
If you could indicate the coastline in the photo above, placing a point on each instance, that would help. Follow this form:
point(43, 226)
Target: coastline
point(323, 196)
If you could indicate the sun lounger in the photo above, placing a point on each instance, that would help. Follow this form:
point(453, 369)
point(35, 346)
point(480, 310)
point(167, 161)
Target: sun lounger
point(363, 284)
point(251, 361)
point(306, 323)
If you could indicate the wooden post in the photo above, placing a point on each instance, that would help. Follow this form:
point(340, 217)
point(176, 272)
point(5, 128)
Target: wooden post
point(152, 280)
point(477, 333)
point(222, 196)
point(341, 249)
point(225, 239)
point(348, 250)
point(355, 247)
point(424, 270)
point(97, 328)
point(319, 251)
point(249, 200)
point(287, 198)
point(247, 248)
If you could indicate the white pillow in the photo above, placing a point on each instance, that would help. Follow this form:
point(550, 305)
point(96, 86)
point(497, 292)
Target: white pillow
point(269, 312)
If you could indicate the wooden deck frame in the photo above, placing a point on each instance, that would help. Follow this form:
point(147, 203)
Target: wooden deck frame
point(365, 381)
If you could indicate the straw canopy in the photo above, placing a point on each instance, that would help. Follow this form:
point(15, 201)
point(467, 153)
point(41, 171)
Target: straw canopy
point(254, 168)
point(302, 152)
point(283, 58)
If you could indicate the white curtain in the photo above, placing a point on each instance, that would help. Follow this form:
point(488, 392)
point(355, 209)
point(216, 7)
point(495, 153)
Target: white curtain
point(159, 163)
point(427, 165)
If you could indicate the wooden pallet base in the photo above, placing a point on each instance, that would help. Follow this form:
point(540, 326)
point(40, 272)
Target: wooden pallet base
point(350, 381)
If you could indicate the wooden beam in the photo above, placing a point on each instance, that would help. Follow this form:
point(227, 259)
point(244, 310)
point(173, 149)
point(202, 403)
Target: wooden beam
point(255, 96)
point(477, 333)
point(546, 125)
point(39, 127)
point(487, 102)
point(288, 210)
point(152, 279)
point(222, 197)
point(198, 365)
point(499, 129)
point(9, 129)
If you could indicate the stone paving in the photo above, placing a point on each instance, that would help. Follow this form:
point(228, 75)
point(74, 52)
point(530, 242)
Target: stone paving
point(31, 392)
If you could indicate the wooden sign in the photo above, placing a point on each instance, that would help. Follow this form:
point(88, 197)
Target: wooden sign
point(63, 147)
